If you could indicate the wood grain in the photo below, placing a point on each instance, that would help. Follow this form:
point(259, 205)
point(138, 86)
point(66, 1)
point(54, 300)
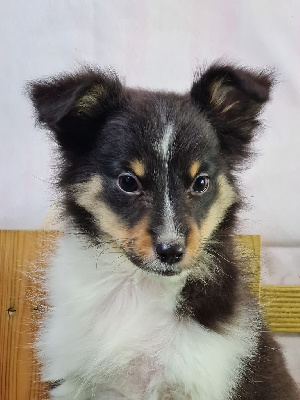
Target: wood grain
point(249, 248)
point(19, 371)
point(281, 306)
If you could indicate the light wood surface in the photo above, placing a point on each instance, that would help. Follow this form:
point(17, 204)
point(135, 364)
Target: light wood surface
point(19, 372)
point(281, 306)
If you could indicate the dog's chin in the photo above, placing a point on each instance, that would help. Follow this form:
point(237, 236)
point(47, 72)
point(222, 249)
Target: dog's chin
point(156, 267)
point(163, 270)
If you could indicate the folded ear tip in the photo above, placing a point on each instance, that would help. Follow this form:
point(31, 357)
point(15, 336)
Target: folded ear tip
point(254, 84)
point(36, 91)
point(257, 84)
point(32, 90)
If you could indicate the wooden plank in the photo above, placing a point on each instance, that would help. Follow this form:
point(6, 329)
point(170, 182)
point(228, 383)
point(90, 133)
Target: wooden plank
point(19, 372)
point(249, 248)
point(281, 307)
point(280, 303)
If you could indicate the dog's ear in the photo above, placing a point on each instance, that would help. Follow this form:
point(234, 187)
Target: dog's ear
point(74, 106)
point(232, 99)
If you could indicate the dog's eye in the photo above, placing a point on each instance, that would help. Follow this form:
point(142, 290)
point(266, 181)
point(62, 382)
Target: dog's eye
point(200, 185)
point(129, 183)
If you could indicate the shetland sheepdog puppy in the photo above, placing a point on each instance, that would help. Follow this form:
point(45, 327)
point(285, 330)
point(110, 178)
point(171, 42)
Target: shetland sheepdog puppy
point(148, 297)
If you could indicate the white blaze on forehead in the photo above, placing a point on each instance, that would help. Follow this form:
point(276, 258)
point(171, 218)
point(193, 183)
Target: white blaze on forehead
point(169, 231)
point(167, 141)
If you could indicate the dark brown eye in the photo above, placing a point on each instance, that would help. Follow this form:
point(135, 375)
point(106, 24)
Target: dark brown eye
point(128, 183)
point(201, 184)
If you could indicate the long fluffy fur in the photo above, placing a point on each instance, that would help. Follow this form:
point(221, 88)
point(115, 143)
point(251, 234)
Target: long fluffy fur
point(148, 297)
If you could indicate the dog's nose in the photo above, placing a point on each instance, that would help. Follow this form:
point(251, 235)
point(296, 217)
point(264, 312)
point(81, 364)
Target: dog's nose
point(170, 253)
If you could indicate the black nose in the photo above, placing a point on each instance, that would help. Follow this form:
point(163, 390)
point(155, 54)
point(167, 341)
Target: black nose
point(170, 253)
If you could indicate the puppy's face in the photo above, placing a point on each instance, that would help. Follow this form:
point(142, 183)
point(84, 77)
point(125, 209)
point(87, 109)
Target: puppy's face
point(150, 172)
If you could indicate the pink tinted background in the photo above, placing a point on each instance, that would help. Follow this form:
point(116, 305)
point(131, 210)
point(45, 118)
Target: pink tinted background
point(158, 44)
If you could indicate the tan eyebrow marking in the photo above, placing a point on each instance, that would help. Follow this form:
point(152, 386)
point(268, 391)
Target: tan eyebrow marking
point(194, 168)
point(138, 168)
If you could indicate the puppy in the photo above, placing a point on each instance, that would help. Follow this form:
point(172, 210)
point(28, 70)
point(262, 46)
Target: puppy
point(148, 297)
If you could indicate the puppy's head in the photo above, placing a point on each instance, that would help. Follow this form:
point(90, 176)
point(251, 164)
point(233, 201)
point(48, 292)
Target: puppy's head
point(152, 171)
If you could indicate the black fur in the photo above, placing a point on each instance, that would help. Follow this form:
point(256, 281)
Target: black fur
point(100, 126)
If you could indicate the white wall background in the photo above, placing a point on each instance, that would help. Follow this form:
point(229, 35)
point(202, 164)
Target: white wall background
point(156, 44)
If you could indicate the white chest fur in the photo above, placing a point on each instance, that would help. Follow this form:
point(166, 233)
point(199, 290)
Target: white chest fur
point(112, 333)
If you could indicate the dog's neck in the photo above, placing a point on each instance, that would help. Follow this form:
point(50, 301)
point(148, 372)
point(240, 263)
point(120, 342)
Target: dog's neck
point(131, 322)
